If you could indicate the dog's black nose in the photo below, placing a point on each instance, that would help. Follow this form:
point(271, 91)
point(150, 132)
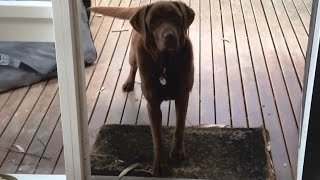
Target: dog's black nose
point(169, 35)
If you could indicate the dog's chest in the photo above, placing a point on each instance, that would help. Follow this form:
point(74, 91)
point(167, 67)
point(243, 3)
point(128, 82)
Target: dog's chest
point(168, 86)
point(166, 79)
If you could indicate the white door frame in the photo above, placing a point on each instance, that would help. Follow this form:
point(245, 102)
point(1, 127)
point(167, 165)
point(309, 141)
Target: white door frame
point(57, 21)
point(70, 65)
point(310, 69)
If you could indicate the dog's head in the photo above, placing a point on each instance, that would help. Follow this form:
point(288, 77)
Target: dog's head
point(163, 25)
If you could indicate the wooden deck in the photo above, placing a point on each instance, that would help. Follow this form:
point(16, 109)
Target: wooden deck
point(249, 63)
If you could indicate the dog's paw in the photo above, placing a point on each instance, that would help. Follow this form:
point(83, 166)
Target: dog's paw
point(128, 86)
point(177, 155)
point(160, 169)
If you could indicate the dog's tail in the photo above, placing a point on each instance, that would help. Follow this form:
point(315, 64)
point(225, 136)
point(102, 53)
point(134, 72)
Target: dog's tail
point(117, 12)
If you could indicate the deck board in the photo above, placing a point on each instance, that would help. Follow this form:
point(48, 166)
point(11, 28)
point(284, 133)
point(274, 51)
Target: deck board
point(52, 150)
point(27, 133)
point(296, 53)
point(249, 63)
point(284, 60)
point(43, 134)
point(3, 98)
point(14, 126)
point(308, 4)
point(206, 90)
point(303, 13)
point(300, 31)
point(269, 109)
point(250, 90)
point(222, 109)
point(236, 100)
point(98, 71)
point(102, 100)
point(285, 112)
point(9, 108)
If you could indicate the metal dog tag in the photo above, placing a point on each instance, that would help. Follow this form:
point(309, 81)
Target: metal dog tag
point(162, 77)
point(163, 80)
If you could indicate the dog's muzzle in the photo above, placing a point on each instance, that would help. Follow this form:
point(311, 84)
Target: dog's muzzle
point(170, 40)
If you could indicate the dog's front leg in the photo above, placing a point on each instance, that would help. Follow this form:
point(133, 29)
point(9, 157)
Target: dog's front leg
point(155, 116)
point(177, 149)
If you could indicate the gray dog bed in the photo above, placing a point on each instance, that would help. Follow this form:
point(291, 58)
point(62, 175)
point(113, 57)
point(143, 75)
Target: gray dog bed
point(213, 153)
point(25, 63)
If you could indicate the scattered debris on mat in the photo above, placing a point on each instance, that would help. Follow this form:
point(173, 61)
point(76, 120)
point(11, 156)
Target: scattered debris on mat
point(213, 153)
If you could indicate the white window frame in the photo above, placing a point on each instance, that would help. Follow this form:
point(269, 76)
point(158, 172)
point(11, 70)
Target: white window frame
point(29, 21)
point(57, 21)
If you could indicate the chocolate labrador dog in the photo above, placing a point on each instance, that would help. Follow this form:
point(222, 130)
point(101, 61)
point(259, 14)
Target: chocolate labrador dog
point(162, 52)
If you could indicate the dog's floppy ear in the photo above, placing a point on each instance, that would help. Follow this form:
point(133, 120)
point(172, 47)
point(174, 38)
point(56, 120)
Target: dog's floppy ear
point(187, 12)
point(138, 20)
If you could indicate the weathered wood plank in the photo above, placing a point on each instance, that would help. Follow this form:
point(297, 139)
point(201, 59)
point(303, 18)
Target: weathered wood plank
point(284, 111)
point(10, 107)
point(59, 166)
point(292, 86)
point(104, 37)
point(120, 97)
point(52, 150)
point(207, 112)
point(237, 106)
point(108, 79)
point(253, 106)
point(296, 53)
point(303, 13)
point(27, 133)
point(308, 4)
point(43, 135)
point(133, 103)
point(269, 110)
point(95, 22)
point(223, 114)
point(13, 128)
point(297, 25)
point(3, 98)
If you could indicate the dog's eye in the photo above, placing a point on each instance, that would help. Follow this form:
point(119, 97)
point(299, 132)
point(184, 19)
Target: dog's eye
point(176, 18)
point(152, 27)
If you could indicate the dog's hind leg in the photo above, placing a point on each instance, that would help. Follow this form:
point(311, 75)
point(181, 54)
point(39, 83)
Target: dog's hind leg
point(129, 84)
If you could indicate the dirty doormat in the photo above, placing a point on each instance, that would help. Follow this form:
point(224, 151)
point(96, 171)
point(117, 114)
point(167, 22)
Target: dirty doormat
point(213, 153)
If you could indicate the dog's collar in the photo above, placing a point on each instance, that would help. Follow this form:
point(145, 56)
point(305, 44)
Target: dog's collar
point(163, 75)
point(163, 67)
